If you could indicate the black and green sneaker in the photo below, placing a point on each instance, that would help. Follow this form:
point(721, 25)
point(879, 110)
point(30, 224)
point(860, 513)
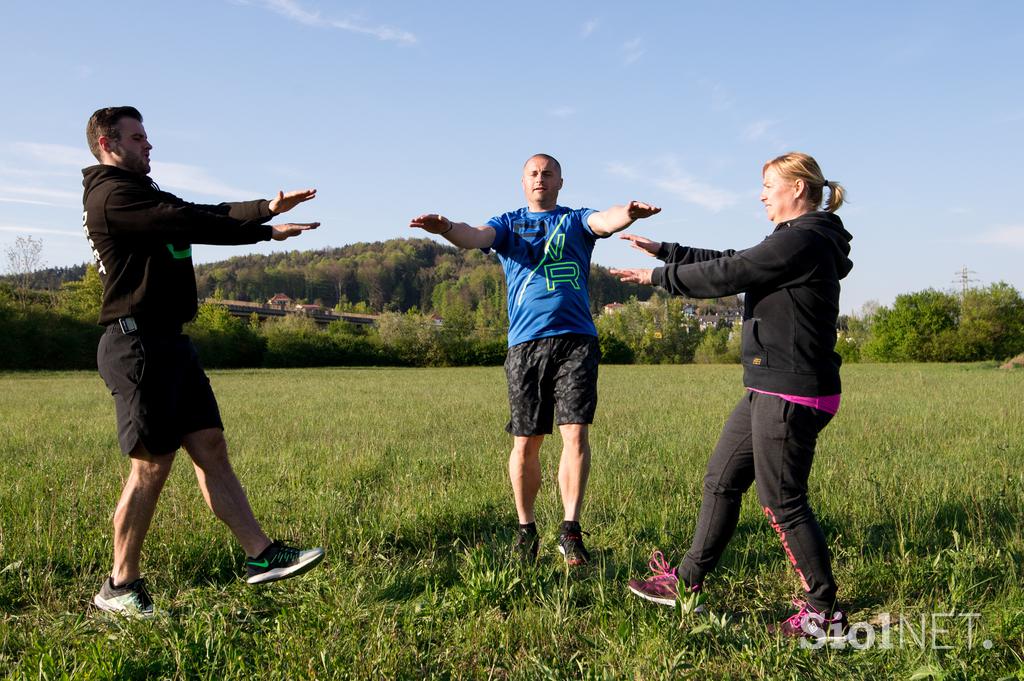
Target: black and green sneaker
point(526, 544)
point(130, 599)
point(279, 561)
point(570, 544)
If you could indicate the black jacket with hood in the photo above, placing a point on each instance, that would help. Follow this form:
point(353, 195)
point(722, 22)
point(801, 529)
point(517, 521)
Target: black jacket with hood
point(141, 240)
point(791, 302)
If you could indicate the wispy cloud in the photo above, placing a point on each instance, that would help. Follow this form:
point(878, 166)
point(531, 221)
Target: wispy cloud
point(31, 202)
point(25, 229)
point(622, 170)
point(180, 176)
point(700, 193)
point(312, 17)
point(197, 180)
point(669, 177)
point(35, 174)
point(764, 132)
point(589, 27)
point(55, 154)
point(1011, 236)
point(41, 196)
point(632, 50)
point(757, 130)
point(561, 111)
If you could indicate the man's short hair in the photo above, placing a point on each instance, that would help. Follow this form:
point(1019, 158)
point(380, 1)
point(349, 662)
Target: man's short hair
point(103, 123)
point(550, 159)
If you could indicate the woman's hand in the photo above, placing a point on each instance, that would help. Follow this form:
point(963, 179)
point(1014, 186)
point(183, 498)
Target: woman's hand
point(633, 276)
point(642, 243)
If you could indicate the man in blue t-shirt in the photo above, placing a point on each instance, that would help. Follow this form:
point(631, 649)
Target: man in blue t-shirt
point(553, 353)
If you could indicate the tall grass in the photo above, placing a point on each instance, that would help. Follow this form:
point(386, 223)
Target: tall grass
point(401, 475)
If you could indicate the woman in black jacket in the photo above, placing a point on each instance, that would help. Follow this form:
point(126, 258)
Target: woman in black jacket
point(791, 372)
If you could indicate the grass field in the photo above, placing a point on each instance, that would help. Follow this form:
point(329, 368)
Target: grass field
point(401, 475)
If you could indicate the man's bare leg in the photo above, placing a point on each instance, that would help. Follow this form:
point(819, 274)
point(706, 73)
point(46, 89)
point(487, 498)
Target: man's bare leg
point(574, 467)
point(524, 472)
point(135, 509)
point(222, 490)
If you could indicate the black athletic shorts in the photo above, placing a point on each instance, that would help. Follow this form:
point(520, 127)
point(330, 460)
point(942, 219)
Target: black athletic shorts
point(551, 376)
point(160, 390)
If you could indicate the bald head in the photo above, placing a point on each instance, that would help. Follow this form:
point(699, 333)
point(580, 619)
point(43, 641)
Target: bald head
point(542, 179)
point(550, 159)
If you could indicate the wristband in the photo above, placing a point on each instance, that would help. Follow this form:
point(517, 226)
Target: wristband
point(451, 226)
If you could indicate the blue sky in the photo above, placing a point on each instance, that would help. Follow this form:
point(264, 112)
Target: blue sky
point(392, 109)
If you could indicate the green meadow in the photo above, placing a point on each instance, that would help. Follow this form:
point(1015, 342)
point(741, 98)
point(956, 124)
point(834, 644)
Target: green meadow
point(401, 475)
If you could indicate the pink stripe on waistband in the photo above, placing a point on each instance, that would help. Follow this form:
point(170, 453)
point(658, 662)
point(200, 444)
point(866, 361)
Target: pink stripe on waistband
point(826, 403)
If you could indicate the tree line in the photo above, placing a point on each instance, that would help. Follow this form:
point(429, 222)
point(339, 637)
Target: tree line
point(441, 306)
point(937, 326)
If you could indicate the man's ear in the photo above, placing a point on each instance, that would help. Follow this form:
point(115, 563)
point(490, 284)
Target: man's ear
point(105, 144)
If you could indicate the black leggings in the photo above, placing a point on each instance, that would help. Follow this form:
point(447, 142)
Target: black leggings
point(769, 441)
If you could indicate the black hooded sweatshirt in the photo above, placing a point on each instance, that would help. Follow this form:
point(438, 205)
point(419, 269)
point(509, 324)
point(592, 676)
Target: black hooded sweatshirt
point(141, 240)
point(791, 302)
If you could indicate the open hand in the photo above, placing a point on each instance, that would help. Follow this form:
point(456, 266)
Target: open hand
point(633, 276)
point(431, 222)
point(290, 229)
point(283, 203)
point(638, 209)
point(642, 243)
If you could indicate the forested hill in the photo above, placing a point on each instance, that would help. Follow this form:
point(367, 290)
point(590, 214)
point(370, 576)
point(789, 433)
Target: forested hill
point(395, 275)
point(386, 275)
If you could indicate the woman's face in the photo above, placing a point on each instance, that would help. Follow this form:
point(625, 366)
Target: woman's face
point(781, 198)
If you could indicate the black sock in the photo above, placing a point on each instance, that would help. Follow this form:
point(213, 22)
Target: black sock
point(571, 526)
point(529, 528)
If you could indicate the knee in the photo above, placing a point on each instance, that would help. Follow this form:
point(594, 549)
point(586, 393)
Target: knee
point(149, 470)
point(785, 516)
point(526, 448)
point(207, 448)
point(715, 486)
point(575, 439)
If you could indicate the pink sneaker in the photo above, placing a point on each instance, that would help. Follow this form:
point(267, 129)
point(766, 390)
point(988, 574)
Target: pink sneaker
point(810, 623)
point(662, 586)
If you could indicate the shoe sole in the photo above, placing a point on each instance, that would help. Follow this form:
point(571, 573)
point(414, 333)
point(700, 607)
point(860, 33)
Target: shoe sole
point(573, 562)
point(278, 574)
point(668, 602)
point(106, 606)
point(654, 599)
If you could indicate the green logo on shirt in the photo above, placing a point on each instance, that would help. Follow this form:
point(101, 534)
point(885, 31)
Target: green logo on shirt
point(562, 272)
point(180, 255)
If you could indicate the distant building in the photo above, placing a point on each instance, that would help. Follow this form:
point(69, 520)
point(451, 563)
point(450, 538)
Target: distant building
point(280, 300)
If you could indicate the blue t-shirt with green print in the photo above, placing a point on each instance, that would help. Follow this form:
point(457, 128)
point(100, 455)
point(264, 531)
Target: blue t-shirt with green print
point(546, 259)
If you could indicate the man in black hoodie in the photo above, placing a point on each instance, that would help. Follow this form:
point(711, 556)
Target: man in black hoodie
point(791, 372)
point(141, 239)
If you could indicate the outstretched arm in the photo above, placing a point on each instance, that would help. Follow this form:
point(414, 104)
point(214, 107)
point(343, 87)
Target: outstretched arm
point(618, 218)
point(459, 233)
point(783, 259)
